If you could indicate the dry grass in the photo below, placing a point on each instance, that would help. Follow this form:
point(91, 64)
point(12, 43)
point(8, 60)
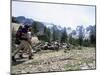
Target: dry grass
point(47, 61)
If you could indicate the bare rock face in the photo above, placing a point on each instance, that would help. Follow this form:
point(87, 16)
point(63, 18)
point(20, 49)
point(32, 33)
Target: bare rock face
point(35, 40)
point(15, 26)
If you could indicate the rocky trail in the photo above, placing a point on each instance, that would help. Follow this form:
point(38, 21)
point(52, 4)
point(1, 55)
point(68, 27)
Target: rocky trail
point(53, 61)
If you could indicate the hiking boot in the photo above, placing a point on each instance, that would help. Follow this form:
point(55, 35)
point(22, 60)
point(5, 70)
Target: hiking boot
point(30, 57)
point(21, 56)
point(13, 59)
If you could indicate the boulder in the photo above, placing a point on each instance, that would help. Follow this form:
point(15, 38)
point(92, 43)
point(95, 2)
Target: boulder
point(35, 40)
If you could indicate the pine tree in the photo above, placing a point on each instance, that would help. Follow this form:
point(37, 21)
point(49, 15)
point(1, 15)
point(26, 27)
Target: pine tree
point(14, 19)
point(54, 34)
point(80, 30)
point(64, 36)
point(92, 34)
point(49, 35)
point(35, 29)
point(70, 38)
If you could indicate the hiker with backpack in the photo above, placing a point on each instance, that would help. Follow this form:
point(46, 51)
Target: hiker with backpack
point(25, 42)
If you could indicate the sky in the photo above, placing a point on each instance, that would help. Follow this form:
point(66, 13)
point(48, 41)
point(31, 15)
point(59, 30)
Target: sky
point(59, 14)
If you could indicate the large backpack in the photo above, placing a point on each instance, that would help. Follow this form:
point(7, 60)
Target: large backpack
point(18, 35)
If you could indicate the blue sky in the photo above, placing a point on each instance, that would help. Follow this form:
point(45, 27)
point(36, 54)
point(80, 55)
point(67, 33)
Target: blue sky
point(64, 15)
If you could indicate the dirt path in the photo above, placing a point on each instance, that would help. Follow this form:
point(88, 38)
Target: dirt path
point(47, 61)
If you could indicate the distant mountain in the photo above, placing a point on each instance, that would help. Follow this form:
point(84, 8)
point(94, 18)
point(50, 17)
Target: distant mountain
point(24, 21)
point(58, 28)
point(28, 21)
point(50, 26)
point(20, 19)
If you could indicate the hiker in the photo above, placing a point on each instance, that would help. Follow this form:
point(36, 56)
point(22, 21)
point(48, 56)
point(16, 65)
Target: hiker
point(29, 34)
point(24, 45)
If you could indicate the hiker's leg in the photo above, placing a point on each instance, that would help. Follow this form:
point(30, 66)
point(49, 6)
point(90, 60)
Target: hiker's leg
point(25, 47)
point(18, 48)
point(29, 50)
point(15, 52)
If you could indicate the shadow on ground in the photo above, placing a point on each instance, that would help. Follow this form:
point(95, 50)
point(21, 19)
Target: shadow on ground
point(19, 61)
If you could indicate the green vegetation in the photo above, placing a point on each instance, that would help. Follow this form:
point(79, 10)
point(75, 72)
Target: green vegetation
point(34, 28)
point(64, 36)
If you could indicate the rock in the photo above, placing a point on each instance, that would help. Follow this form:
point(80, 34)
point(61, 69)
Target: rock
point(30, 66)
point(84, 66)
point(23, 71)
point(35, 40)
